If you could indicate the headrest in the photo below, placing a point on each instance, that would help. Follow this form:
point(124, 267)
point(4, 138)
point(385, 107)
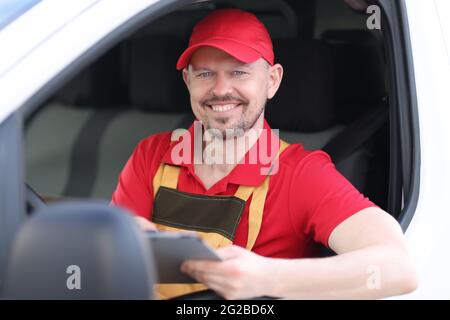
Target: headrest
point(155, 83)
point(304, 101)
point(79, 251)
point(360, 68)
point(101, 85)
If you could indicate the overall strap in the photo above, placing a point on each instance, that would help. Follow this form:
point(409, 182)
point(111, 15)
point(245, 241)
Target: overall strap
point(256, 209)
point(166, 176)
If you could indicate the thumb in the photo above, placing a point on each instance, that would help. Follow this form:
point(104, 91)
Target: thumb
point(189, 233)
point(230, 252)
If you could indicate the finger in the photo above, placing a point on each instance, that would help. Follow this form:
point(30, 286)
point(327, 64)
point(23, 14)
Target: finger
point(199, 265)
point(145, 224)
point(230, 252)
point(213, 281)
point(207, 277)
point(148, 227)
point(221, 268)
point(189, 233)
point(218, 283)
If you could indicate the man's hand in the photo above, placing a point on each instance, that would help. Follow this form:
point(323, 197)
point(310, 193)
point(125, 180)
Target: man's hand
point(242, 274)
point(145, 224)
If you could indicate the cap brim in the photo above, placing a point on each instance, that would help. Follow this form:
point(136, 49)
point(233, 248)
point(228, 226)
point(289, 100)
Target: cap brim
point(235, 49)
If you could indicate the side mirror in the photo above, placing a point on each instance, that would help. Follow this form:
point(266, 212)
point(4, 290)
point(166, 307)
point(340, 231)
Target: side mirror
point(79, 251)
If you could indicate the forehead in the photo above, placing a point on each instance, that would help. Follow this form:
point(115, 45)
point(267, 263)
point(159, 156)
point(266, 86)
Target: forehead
point(211, 57)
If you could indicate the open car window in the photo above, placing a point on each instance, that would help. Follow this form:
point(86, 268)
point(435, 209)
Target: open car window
point(341, 74)
point(334, 72)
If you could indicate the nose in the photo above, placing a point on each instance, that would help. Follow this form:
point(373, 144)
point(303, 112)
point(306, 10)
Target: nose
point(222, 85)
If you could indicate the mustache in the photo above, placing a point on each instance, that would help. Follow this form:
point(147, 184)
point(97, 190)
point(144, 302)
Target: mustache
point(224, 99)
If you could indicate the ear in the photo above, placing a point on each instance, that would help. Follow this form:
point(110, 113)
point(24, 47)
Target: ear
point(185, 73)
point(275, 77)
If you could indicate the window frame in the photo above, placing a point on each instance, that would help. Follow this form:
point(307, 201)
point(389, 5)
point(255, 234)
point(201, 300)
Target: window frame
point(12, 191)
point(404, 180)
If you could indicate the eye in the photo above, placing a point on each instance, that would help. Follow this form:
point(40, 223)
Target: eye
point(238, 73)
point(205, 74)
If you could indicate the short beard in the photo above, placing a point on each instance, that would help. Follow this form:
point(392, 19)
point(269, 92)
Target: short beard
point(236, 130)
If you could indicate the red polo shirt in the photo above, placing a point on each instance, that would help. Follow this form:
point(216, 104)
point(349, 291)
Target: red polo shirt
point(306, 200)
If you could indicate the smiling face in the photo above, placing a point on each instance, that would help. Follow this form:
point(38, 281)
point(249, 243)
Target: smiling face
point(227, 93)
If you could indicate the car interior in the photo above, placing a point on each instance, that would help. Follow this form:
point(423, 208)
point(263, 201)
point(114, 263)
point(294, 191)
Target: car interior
point(334, 96)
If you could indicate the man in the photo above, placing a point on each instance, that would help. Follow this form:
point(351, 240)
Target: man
point(277, 214)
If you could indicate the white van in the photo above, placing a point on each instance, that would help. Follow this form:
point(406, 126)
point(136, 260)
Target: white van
point(81, 82)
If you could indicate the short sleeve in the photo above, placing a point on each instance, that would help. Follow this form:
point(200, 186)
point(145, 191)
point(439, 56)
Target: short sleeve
point(134, 190)
point(321, 197)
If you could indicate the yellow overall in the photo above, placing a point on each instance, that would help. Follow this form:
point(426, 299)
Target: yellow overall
point(167, 177)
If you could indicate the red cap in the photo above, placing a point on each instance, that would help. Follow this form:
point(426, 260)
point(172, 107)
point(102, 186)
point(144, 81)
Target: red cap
point(238, 33)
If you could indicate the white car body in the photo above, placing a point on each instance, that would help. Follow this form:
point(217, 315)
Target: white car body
point(46, 39)
point(428, 232)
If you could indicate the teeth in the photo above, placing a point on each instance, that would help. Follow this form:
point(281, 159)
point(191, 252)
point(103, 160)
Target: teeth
point(223, 108)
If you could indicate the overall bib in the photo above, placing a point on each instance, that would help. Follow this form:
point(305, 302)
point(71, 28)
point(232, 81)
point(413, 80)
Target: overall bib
point(214, 218)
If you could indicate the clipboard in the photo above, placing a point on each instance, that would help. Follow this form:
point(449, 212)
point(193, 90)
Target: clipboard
point(170, 249)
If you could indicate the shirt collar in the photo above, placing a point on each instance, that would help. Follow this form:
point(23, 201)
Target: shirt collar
point(251, 171)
